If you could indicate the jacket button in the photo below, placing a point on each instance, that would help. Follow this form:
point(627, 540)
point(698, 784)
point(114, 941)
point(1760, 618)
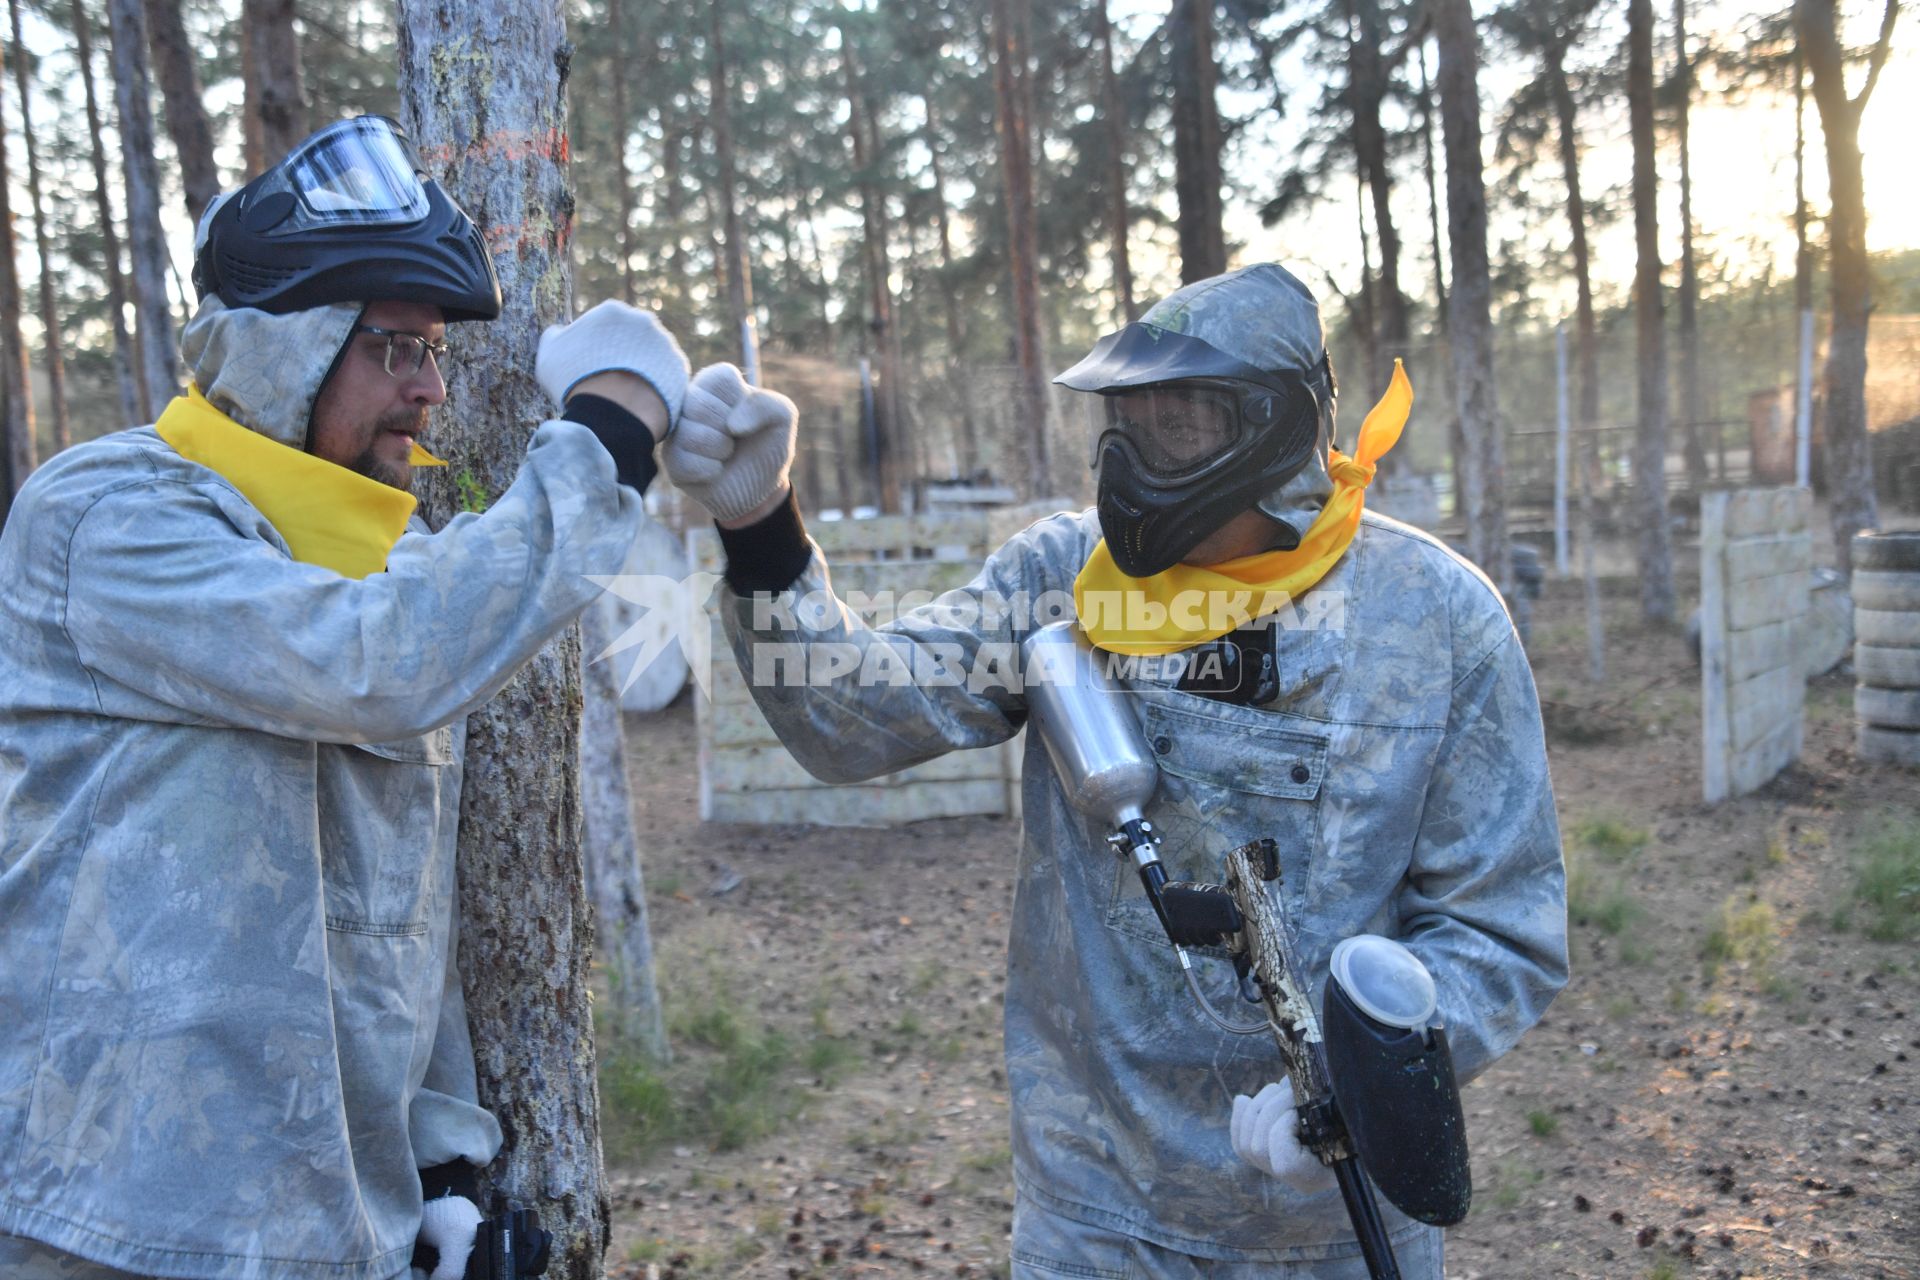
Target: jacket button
point(1301, 773)
point(1162, 745)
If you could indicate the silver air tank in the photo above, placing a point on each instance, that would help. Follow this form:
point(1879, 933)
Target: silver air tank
point(1093, 737)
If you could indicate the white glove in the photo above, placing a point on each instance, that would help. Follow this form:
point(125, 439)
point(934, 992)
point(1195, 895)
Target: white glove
point(450, 1224)
point(734, 444)
point(1265, 1132)
point(612, 337)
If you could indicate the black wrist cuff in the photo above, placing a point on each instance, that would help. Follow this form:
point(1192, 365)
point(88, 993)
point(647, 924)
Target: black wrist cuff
point(770, 554)
point(621, 433)
point(454, 1178)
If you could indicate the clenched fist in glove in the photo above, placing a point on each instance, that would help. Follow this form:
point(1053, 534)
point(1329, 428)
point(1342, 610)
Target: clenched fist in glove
point(1265, 1132)
point(612, 338)
point(734, 444)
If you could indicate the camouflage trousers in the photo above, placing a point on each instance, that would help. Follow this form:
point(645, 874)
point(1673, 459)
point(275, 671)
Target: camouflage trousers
point(23, 1259)
point(1047, 1246)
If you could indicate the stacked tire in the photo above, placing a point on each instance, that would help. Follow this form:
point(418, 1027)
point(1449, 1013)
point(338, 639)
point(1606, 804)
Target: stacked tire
point(1886, 655)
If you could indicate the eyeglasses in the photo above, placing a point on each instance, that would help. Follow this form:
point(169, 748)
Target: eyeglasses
point(406, 352)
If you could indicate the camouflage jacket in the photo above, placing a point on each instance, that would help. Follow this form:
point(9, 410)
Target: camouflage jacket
point(229, 793)
point(1402, 771)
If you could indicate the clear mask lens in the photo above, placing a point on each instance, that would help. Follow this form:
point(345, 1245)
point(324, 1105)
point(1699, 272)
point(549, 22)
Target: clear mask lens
point(1176, 430)
point(360, 172)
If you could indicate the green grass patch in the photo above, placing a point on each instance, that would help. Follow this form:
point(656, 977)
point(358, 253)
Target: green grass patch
point(1746, 934)
point(1887, 884)
point(1596, 898)
point(733, 1081)
point(1542, 1124)
point(1610, 838)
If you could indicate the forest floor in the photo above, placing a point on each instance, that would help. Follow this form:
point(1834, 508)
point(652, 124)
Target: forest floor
point(1727, 1087)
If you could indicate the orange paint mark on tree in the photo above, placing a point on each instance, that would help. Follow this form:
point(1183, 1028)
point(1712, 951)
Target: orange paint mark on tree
point(511, 145)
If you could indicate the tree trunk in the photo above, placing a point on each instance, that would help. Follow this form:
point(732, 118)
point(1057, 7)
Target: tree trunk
point(1471, 326)
point(49, 314)
point(1650, 438)
point(617, 72)
point(1689, 274)
point(133, 407)
point(738, 277)
point(278, 101)
point(1016, 172)
point(483, 91)
point(622, 938)
point(1366, 91)
point(159, 368)
point(15, 385)
point(1586, 329)
point(1196, 142)
point(1850, 496)
point(1119, 220)
point(950, 303)
point(187, 124)
point(875, 268)
point(1433, 190)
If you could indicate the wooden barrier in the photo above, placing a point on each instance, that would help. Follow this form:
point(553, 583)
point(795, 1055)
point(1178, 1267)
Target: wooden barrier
point(747, 776)
point(1756, 573)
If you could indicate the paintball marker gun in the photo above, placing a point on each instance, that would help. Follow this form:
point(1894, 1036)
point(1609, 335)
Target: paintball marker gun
point(1372, 1077)
point(509, 1245)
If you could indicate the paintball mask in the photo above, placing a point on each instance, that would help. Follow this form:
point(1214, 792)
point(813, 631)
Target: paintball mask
point(1183, 437)
point(347, 216)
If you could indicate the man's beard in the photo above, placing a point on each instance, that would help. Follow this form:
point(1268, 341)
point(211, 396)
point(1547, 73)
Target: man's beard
point(373, 467)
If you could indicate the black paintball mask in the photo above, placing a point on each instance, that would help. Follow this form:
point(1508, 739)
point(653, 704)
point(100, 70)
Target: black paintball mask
point(1184, 437)
point(347, 216)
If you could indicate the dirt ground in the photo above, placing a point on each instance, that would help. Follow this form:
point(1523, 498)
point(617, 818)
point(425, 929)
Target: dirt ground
point(1726, 1088)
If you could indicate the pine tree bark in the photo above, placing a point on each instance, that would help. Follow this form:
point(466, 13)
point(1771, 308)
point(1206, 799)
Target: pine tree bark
point(17, 412)
point(1196, 143)
point(483, 92)
point(875, 267)
point(1366, 92)
point(133, 407)
point(1586, 329)
point(1651, 434)
point(277, 95)
point(1850, 498)
point(617, 72)
point(1689, 333)
point(1119, 218)
point(56, 358)
point(186, 111)
point(739, 280)
point(1433, 190)
point(622, 938)
point(1471, 323)
point(1016, 172)
point(950, 301)
point(159, 365)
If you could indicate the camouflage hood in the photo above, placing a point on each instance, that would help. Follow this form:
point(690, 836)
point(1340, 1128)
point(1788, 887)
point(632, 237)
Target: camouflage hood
point(265, 371)
point(1265, 316)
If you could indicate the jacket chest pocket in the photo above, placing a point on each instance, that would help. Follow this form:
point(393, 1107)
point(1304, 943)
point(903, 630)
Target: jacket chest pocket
point(382, 811)
point(1228, 775)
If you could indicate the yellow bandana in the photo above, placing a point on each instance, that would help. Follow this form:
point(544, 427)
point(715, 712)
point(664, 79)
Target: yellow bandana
point(329, 516)
point(1189, 605)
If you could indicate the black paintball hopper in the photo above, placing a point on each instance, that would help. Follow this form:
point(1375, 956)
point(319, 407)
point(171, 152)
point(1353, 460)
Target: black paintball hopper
point(1396, 1091)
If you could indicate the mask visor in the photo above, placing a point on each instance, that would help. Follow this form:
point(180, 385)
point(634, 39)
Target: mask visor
point(1176, 430)
point(360, 172)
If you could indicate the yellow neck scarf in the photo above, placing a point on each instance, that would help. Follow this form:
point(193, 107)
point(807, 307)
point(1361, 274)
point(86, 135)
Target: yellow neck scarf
point(329, 516)
point(1190, 604)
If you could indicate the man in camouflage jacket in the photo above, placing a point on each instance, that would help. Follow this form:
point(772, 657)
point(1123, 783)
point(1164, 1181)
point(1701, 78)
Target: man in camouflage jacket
point(233, 682)
point(1399, 763)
